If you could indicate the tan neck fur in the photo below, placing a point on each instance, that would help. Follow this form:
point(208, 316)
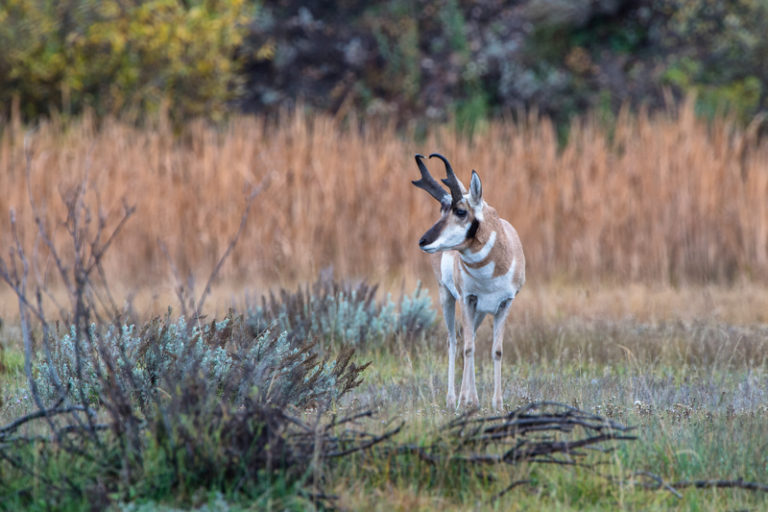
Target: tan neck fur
point(500, 253)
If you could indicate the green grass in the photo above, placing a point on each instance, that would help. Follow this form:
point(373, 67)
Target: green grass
point(697, 392)
point(701, 414)
point(13, 398)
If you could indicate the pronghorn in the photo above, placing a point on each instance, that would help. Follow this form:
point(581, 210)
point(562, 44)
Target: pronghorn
point(478, 259)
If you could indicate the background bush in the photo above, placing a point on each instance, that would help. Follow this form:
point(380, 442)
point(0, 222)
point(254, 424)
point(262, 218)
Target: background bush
point(717, 50)
point(429, 61)
point(175, 406)
point(118, 55)
point(467, 61)
point(344, 314)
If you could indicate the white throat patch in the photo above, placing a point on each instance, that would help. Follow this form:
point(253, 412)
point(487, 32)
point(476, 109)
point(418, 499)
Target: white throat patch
point(475, 257)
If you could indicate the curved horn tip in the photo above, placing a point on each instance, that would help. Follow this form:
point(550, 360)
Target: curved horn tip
point(419, 155)
point(438, 155)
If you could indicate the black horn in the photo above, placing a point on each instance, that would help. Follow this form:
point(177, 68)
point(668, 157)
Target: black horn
point(428, 183)
point(451, 181)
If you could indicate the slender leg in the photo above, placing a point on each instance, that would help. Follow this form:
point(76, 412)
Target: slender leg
point(499, 319)
point(477, 321)
point(448, 304)
point(468, 394)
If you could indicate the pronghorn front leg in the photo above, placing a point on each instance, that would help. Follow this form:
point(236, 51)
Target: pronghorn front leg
point(468, 394)
point(499, 319)
point(448, 304)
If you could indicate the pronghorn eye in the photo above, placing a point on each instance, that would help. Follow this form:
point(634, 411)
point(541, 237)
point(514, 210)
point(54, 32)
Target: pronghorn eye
point(461, 213)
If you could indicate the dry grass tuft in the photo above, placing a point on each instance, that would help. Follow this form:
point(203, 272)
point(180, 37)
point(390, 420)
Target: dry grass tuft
point(663, 198)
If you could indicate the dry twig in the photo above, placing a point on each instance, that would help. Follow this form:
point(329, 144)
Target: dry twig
point(657, 482)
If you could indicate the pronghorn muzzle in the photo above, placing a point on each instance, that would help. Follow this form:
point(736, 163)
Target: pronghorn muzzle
point(432, 234)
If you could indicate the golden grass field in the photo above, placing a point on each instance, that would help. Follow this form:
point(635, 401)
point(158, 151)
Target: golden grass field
point(660, 198)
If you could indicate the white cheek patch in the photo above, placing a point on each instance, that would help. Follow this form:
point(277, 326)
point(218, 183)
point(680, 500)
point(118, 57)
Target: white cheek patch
point(450, 237)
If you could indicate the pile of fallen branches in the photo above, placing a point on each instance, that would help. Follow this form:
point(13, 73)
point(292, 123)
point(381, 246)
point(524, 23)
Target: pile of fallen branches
point(538, 432)
point(545, 432)
point(654, 482)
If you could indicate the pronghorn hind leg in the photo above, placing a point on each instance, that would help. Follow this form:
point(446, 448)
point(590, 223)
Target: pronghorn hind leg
point(499, 319)
point(448, 304)
point(468, 394)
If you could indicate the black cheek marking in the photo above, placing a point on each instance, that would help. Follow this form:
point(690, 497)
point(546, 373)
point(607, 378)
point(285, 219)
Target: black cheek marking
point(473, 229)
point(432, 234)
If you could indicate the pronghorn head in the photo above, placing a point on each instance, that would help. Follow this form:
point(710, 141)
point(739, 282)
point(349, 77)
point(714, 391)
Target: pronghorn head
point(460, 212)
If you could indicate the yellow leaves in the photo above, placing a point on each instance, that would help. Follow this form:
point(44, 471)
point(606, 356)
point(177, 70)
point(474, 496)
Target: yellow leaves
point(126, 53)
point(266, 51)
point(109, 9)
point(204, 67)
point(118, 41)
point(183, 34)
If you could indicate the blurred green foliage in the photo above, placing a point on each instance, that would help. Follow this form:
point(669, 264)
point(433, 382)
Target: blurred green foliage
point(116, 55)
point(599, 55)
point(718, 50)
point(396, 32)
point(402, 31)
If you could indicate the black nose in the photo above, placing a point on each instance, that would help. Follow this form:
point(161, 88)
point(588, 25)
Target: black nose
point(423, 241)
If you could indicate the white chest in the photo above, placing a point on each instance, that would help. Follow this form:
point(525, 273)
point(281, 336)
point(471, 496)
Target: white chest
point(490, 291)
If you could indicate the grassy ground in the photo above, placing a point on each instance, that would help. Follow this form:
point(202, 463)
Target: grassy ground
point(686, 364)
point(699, 402)
point(687, 367)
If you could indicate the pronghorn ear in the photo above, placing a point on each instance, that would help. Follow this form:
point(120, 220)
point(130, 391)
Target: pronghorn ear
point(475, 190)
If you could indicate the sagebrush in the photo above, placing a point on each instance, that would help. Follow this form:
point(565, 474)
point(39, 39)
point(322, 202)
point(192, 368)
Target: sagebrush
point(174, 405)
point(345, 314)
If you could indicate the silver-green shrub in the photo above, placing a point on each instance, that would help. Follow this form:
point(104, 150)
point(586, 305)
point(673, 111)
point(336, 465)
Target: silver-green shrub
point(263, 364)
point(349, 315)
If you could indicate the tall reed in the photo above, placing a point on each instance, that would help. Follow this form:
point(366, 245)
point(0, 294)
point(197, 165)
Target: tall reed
point(662, 197)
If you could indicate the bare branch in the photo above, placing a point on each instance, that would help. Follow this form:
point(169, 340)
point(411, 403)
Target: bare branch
point(97, 252)
point(657, 482)
point(249, 202)
point(367, 444)
point(63, 271)
point(26, 332)
point(53, 411)
point(179, 289)
point(732, 484)
point(511, 486)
